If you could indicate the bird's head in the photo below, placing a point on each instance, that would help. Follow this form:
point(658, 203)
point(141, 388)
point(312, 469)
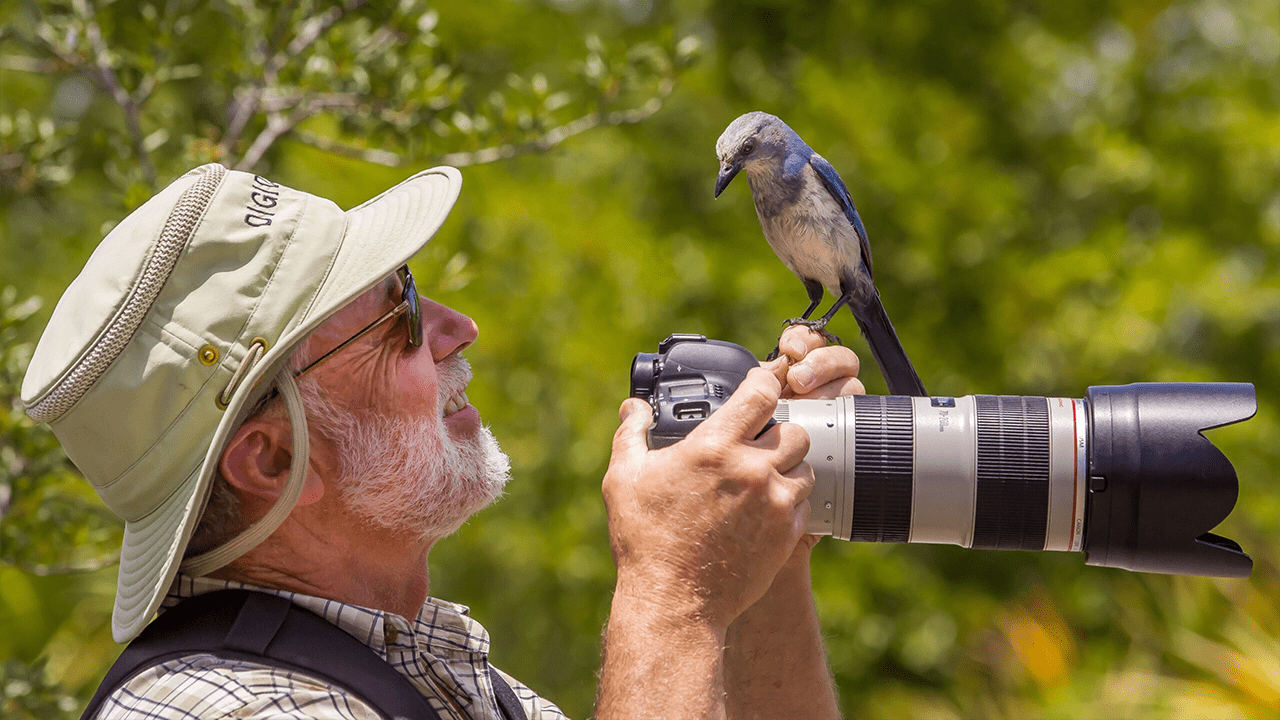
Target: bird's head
point(753, 139)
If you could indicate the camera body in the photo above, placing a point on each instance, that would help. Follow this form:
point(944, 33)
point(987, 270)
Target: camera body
point(689, 378)
point(1124, 474)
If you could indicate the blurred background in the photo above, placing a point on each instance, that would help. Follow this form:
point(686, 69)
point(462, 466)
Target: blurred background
point(1058, 195)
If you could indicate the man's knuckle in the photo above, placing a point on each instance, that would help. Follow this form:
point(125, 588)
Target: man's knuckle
point(747, 473)
point(803, 474)
point(759, 399)
point(713, 449)
point(794, 437)
point(758, 469)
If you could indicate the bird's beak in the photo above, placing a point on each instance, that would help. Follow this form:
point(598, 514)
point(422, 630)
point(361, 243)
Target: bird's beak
point(726, 175)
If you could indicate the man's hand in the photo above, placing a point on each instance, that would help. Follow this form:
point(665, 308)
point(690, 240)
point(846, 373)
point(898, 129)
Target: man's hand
point(700, 528)
point(774, 661)
point(812, 370)
point(708, 534)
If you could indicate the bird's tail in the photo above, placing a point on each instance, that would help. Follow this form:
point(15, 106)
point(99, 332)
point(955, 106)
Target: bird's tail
point(887, 350)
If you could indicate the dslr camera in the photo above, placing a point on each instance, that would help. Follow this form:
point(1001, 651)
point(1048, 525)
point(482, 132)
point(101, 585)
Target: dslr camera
point(1123, 474)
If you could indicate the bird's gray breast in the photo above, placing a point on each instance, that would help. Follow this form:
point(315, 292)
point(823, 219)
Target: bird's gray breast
point(807, 228)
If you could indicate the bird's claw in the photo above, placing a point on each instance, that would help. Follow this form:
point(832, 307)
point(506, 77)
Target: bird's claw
point(817, 326)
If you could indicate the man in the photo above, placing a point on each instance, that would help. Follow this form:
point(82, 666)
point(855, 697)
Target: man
point(249, 378)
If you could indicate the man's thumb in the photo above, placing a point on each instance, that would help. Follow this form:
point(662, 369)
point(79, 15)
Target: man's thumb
point(636, 416)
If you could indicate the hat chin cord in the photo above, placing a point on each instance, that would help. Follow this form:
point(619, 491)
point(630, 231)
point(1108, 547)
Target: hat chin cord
point(251, 537)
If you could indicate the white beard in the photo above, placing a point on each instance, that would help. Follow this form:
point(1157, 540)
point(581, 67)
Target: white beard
point(406, 473)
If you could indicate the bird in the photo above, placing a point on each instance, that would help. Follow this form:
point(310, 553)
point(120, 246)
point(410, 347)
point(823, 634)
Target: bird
point(810, 221)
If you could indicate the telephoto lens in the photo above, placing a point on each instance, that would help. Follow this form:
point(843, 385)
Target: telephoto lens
point(1003, 473)
point(1124, 474)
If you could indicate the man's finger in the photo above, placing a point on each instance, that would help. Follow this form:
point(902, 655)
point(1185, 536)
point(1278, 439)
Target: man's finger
point(778, 367)
point(833, 389)
point(799, 482)
point(798, 341)
point(821, 367)
point(747, 410)
point(629, 440)
point(789, 443)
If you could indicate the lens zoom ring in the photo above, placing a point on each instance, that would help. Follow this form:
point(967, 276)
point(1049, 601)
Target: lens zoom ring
point(883, 459)
point(1012, 505)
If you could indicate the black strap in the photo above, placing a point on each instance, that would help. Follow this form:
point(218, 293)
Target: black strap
point(270, 630)
point(508, 703)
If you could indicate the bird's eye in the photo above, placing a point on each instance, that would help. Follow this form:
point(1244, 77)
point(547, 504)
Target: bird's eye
point(748, 146)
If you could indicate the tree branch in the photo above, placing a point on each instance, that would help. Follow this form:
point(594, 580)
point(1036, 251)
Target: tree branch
point(559, 134)
point(111, 83)
point(248, 102)
point(45, 34)
point(275, 103)
point(310, 31)
point(21, 63)
point(277, 125)
point(378, 42)
point(337, 147)
point(244, 105)
point(244, 100)
point(543, 143)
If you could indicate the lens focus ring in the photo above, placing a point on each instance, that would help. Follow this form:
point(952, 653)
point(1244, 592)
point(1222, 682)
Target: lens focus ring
point(1011, 507)
point(883, 452)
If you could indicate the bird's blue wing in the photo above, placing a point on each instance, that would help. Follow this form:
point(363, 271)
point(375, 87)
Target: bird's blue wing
point(835, 185)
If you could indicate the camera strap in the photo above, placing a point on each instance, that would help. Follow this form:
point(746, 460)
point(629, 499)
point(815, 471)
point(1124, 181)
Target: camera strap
point(270, 630)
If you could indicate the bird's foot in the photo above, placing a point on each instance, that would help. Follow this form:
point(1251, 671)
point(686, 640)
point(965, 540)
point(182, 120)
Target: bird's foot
point(818, 326)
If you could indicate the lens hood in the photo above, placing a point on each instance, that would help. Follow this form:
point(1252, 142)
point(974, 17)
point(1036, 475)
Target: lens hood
point(1157, 486)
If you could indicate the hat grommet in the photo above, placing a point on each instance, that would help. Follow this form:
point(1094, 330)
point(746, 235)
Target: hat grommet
point(257, 348)
point(208, 355)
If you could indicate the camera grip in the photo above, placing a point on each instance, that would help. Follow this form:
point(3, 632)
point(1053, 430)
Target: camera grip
point(689, 378)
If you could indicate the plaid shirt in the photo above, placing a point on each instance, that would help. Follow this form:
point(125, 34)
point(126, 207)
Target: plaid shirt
point(443, 652)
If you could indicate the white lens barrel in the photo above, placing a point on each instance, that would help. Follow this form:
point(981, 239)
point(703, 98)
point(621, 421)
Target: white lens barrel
point(829, 455)
point(1068, 474)
point(942, 510)
point(1001, 472)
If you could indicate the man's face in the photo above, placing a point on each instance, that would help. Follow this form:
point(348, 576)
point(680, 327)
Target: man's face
point(408, 451)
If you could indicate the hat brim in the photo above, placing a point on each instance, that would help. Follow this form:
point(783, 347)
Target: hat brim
point(380, 236)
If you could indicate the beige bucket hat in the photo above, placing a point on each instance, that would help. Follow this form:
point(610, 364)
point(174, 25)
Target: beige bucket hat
point(179, 322)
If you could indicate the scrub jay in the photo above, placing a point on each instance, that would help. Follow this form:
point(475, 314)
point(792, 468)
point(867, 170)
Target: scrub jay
point(810, 222)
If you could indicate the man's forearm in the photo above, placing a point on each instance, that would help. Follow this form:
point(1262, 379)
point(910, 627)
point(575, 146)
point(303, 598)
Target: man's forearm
point(775, 662)
point(659, 664)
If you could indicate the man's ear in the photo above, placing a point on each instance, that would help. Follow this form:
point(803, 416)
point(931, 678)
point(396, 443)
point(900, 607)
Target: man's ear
point(256, 461)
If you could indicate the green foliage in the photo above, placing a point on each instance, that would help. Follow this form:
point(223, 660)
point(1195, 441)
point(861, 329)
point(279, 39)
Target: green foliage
point(52, 521)
point(35, 155)
point(1058, 195)
point(196, 81)
point(27, 694)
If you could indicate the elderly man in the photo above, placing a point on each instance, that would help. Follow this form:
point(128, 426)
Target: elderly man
point(249, 378)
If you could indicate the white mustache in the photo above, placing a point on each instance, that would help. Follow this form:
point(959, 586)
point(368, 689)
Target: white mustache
point(453, 374)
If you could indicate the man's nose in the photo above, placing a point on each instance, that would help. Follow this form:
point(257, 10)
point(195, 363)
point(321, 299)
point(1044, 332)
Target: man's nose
point(446, 330)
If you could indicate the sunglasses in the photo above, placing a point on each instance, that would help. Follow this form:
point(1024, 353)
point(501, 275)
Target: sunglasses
point(409, 307)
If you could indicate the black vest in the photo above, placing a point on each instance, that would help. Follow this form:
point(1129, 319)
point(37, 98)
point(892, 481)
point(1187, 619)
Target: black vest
point(269, 630)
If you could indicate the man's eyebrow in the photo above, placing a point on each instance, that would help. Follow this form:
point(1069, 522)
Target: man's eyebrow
point(391, 285)
point(385, 289)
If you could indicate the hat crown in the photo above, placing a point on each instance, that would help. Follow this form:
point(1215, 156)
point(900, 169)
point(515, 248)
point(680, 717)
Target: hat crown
point(102, 309)
point(140, 347)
